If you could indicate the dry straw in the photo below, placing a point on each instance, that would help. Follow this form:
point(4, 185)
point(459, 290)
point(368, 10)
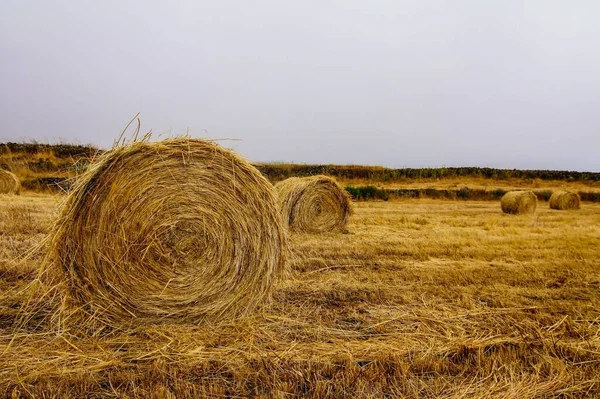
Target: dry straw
point(180, 229)
point(564, 200)
point(313, 204)
point(519, 202)
point(9, 183)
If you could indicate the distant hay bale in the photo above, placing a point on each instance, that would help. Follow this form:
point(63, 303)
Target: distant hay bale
point(315, 204)
point(564, 200)
point(519, 202)
point(180, 229)
point(9, 183)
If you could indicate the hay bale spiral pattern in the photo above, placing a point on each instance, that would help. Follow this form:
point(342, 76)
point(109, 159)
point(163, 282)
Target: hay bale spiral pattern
point(180, 229)
point(315, 204)
point(564, 200)
point(9, 183)
point(519, 202)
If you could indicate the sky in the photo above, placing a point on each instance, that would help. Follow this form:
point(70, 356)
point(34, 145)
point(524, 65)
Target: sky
point(398, 83)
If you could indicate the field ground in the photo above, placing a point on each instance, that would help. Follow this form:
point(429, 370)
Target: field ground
point(421, 299)
point(482, 184)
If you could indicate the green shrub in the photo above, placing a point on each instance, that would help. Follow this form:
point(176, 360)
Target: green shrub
point(365, 193)
point(463, 193)
point(544, 195)
point(498, 193)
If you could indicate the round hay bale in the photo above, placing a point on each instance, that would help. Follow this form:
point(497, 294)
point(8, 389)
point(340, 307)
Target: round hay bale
point(180, 229)
point(564, 200)
point(9, 183)
point(519, 202)
point(315, 204)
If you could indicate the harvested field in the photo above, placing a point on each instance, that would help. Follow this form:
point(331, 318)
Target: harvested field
point(422, 298)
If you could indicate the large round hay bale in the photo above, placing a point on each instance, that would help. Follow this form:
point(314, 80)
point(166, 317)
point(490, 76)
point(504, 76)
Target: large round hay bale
point(519, 202)
point(315, 204)
point(9, 183)
point(180, 229)
point(564, 200)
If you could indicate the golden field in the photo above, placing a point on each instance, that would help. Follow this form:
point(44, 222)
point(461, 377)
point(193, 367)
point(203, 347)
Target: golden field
point(482, 184)
point(420, 299)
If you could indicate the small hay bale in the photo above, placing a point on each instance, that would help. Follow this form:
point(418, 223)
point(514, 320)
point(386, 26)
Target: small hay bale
point(519, 202)
point(564, 200)
point(315, 204)
point(181, 229)
point(9, 183)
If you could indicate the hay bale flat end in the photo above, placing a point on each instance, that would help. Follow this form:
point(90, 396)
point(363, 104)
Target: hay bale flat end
point(315, 204)
point(564, 200)
point(181, 229)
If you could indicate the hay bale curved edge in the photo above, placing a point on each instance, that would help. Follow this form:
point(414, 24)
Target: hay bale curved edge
point(564, 200)
point(9, 183)
point(315, 204)
point(519, 202)
point(181, 229)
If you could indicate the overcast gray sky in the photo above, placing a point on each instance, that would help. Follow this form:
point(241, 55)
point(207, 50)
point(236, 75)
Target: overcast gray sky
point(513, 84)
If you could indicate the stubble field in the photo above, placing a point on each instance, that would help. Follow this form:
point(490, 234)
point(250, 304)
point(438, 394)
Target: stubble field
point(421, 298)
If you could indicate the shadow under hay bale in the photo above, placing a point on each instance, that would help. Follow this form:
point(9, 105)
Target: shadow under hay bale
point(564, 200)
point(519, 202)
point(181, 229)
point(315, 204)
point(9, 183)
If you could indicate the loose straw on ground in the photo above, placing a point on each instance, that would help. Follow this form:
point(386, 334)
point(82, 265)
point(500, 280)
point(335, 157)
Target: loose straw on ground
point(519, 202)
point(180, 229)
point(313, 204)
